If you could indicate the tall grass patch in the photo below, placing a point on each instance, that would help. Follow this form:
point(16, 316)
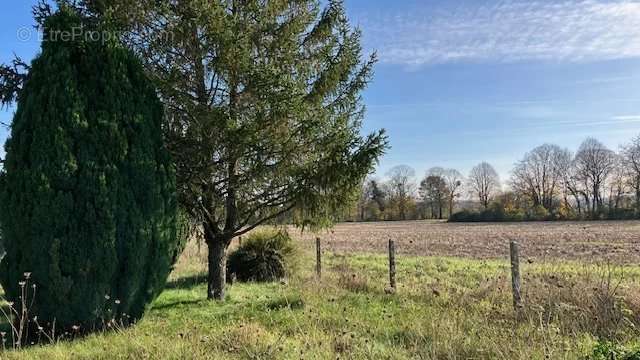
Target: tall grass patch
point(265, 256)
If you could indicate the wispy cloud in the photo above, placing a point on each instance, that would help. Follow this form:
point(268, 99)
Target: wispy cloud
point(627, 118)
point(566, 127)
point(507, 31)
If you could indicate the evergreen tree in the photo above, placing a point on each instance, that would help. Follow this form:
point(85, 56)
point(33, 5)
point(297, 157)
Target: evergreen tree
point(265, 110)
point(88, 204)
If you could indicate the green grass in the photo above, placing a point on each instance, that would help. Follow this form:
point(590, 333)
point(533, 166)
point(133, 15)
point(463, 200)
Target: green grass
point(444, 308)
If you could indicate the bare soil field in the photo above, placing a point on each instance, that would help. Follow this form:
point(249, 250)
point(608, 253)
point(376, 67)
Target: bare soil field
point(614, 241)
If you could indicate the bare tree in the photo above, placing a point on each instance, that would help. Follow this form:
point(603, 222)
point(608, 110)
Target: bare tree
point(453, 180)
point(631, 161)
point(484, 182)
point(539, 175)
point(593, 163)
point(617, 184)
point(402, 187)
point(571, 186)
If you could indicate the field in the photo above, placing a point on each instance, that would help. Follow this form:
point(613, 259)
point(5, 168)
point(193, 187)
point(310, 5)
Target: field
point(453, 300)
point(614, 241)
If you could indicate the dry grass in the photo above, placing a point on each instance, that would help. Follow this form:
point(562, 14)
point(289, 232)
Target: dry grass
point(349, 278)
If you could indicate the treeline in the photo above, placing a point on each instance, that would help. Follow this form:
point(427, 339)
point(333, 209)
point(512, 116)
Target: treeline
point(549, 183)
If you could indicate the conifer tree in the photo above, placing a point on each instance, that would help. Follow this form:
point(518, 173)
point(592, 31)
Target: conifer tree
point(264, 110)
point(88, 204)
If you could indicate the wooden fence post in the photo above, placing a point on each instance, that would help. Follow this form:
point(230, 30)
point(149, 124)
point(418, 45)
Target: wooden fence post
point(392, 264)
point(515, 275)
point(318, 258)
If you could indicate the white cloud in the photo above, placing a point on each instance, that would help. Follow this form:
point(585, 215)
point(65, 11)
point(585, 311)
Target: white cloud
point(627, 118)
point(507, 31)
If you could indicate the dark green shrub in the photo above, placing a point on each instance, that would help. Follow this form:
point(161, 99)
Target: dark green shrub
point(264, 256)
point(465, 216)
point(497, 213)
point(87, 193)
point(516, 215)
point(622, 214)
point(493, 214)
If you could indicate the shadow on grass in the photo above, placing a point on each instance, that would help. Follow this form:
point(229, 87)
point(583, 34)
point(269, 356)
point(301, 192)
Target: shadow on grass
point(186, 283)
point(177, 303)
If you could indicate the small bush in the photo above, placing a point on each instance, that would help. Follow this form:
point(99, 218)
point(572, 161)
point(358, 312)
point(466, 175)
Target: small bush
point(265, 256)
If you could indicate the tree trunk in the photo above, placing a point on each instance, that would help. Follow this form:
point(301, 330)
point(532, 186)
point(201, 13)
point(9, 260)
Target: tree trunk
point(587, 204)
point(597, 203)
point(450, 206)
point(638, 194)
point(217, 261)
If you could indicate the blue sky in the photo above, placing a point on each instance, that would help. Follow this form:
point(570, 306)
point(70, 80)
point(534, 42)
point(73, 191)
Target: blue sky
point(465, 81)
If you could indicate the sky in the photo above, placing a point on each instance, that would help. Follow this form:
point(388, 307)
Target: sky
point(459, 82)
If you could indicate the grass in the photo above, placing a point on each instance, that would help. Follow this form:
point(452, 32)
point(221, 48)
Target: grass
point(445, 308)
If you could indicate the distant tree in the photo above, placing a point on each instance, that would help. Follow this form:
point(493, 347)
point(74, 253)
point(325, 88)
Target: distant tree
point(402, 188)
point(378, 195)
point(617, 184)
point(434, 192)
point(484, 182)
point(454, 181)
point(631, 162)
point(511, 201)
point(539, 175)
point(572, 191)
point(593, 165)
point(363, 201)
point(372, 201)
